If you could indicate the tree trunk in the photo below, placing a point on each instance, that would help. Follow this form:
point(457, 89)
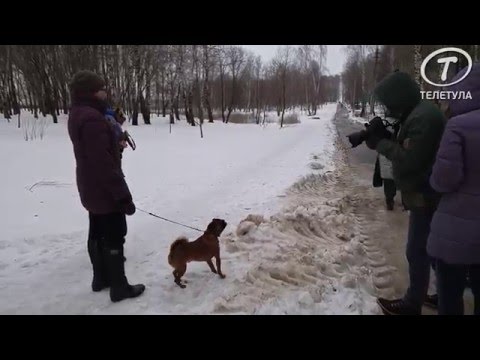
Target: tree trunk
point(249, 96)
point(307, 99)
point(144, 108)
point(55, 118)
point(145, 102)
point(284, 91)
point(129, 101)
point(21, 93)
point(208, 105)
point(64, 100)
point(257, 102)
point(49, 103)
point(135, 112)
point(164, 108)
point(206, 101)
point(354, 95)
point(364, 106)
point(185, 106)
point(187, 99)
point(30, 101)
point(177, 111)
point(157, 95)
point(206, 85)
point(190, 106)
point(177, 105)
point(172, 113)
point(199, 101)
point(222, 92)
point(35, 108)
point(164, 105)
point(200, 108)
point(8, 83)
point(232, 99)
point(418, 64)
point(229, 112)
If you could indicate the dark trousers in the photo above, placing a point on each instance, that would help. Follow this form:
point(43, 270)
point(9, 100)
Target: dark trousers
point(418, 260)
point(106, 232)
point(451, 283)
point(389, 189)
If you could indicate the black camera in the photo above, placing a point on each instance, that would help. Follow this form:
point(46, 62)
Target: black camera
point(357, 138)
point(376, 125)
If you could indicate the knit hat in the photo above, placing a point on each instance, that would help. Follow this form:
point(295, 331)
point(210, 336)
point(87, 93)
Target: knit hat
point(86, 83)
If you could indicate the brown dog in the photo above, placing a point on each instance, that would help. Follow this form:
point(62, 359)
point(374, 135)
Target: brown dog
point(204, 248)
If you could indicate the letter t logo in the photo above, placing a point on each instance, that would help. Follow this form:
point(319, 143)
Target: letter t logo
point(447, 61)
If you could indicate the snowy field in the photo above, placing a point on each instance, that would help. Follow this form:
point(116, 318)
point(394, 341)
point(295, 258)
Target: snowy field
point(235, 171)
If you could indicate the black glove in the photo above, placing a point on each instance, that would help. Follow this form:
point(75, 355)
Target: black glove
point(376, 131)
point(373, 140)
point(128, 207)
point(375, 126)
point(357, 138)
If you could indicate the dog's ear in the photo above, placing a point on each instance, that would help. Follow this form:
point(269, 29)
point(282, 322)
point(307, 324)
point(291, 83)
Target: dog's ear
point(212, 226)
point(220, 222)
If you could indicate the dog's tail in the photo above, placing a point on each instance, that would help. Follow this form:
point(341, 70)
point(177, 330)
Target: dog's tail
point(175, 244)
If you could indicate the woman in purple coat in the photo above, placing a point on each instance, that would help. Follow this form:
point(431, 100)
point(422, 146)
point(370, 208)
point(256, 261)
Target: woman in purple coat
point(454, 240)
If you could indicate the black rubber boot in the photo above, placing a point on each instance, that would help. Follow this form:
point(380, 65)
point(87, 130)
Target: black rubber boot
point(431, 301)
point(100, 272)
point(390, 204)
point(98, 284)
point(120, 289)
point(397, 307)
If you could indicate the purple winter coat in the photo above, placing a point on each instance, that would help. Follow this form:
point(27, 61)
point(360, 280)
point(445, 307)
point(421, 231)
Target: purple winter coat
point(100, 180)
point(455, 229)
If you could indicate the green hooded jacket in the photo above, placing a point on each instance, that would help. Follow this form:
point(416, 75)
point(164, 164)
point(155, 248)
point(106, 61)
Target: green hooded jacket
point(413, 151)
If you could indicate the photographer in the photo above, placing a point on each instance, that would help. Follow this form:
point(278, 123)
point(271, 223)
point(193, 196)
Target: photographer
point(412, 153)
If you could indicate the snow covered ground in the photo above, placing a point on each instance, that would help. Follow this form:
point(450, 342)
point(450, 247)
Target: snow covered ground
point(357, 119)
point(299, 256)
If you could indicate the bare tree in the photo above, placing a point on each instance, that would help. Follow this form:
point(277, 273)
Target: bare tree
point(258, 71)
point(236, 59)
point(207, 66)
point(305, 58)
point(145, 78)
point(417, 64)
point(282, 62)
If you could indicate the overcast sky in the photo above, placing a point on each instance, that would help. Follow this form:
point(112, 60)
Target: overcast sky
point(335, 56)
